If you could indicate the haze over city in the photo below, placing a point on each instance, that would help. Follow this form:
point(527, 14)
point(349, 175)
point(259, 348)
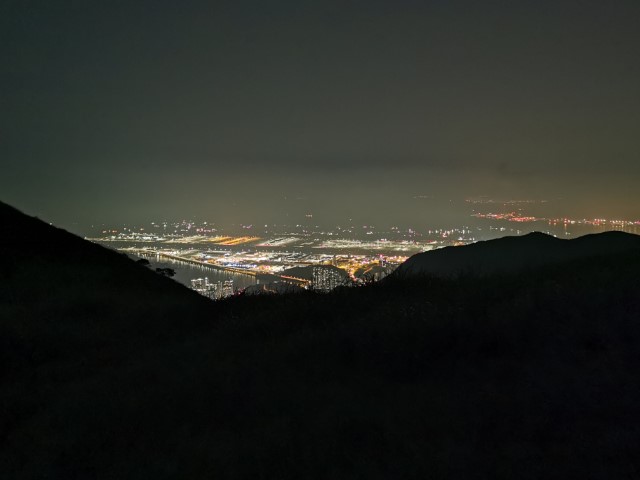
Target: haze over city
point(393, 113)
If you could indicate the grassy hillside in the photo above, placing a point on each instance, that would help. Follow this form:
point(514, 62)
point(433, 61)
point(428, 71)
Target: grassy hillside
point(110, 371)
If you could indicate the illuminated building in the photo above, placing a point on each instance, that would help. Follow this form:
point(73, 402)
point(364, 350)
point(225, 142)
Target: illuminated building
point(227, 288)
point(203, 287)
point(326, 277)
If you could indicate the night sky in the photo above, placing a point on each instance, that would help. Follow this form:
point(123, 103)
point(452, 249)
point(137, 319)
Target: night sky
point(263, 111)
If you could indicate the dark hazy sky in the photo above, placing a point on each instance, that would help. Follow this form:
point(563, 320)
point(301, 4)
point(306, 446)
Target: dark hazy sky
point(252, 111)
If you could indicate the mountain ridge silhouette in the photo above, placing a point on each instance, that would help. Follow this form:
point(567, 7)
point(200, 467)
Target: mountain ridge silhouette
point(510, 254)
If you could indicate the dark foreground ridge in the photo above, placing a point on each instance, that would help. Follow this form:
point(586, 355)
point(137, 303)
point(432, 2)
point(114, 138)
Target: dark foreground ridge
point(110, 371)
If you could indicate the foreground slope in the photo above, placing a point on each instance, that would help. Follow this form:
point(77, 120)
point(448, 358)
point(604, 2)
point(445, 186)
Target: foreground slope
point(62, 296)
point(517, 376)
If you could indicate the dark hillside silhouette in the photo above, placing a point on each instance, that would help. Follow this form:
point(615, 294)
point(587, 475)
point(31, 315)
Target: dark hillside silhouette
point(62, 296)
point(111, 371)
point(512, 254)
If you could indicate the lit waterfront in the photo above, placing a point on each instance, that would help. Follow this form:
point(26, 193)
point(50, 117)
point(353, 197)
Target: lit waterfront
point(186, 272)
